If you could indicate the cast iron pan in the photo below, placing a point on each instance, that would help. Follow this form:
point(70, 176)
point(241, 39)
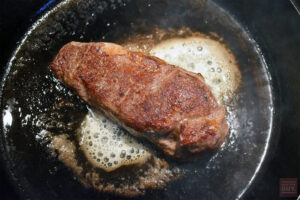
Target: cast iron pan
point(30, 96)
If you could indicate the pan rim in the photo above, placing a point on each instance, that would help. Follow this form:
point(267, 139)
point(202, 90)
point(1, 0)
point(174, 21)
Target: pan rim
point(46, 13)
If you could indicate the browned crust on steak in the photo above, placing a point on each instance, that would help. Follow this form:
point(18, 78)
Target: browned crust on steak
point(170, 106)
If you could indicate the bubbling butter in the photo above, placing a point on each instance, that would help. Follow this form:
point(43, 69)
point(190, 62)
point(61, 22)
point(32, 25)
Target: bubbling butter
point(206, 56)
point(108, 147)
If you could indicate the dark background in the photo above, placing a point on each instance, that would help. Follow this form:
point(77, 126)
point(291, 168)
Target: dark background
point(274, 24)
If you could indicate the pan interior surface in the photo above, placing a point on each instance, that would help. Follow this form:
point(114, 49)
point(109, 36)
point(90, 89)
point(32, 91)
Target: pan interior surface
point(33, 101)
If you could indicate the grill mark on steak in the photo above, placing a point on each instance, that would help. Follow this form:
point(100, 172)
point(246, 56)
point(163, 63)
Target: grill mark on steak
point(168, 105)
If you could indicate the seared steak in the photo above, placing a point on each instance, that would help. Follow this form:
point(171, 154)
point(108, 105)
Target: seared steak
point(171, 107)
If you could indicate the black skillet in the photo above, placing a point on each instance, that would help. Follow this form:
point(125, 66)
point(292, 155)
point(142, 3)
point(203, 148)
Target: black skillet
point(30, 93)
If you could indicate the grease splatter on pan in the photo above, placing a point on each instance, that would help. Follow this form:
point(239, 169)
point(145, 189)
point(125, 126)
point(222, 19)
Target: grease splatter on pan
point(125, 181)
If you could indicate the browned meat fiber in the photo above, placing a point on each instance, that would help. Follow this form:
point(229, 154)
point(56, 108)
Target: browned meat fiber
point(171, 107)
